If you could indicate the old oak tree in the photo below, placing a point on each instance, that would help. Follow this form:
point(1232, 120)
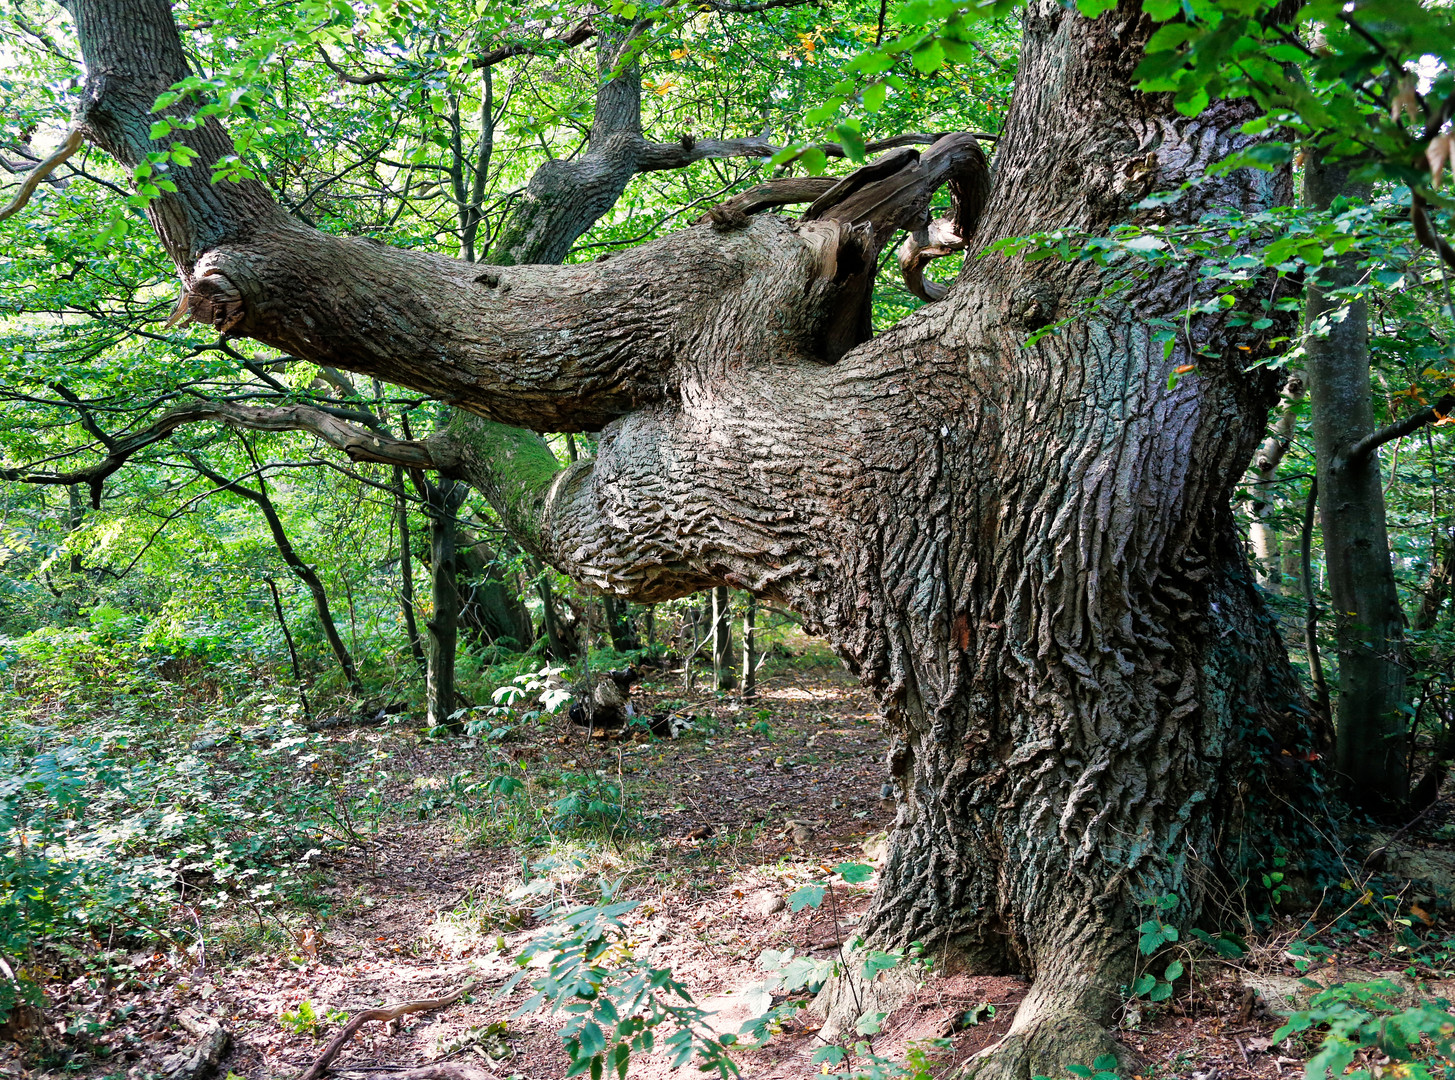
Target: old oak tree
point(1026, 552)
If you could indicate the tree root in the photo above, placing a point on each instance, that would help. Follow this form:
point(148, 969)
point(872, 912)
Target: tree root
point(1045, 1043)
point(393, 1012)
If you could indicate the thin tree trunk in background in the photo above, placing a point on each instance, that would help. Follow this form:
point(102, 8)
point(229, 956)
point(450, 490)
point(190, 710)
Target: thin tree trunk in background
point(750, 649)
point(1437, 591)
point(550, 619)
point(1267, 547)
point(619, 624)
point(1311, 605)
point(292, 650)
point(73, 522)
point(722, 639)
point(443, 626)
point(301, 569)
point(1368, 622)
point(406, 570)
point(650, 621)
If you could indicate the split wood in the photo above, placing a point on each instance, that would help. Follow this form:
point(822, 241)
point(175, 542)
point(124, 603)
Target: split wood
point(388, 1012)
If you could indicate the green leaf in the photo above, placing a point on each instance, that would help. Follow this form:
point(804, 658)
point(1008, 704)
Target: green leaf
point(854, 873)
point(929, 58)
point(1168, 37)
point(1143, 984)
point(1191, 102)
point(832, 1054)
point(852, 141)
point(1094, 8)
point(878, 961)
point(593, 1041)
point(1161, 992)
point(1162, 10)
point(810, 896)
point(870, 1023)
point(1174, 971)
point(160, 129)
point(1105, 1062)
point(874, 96)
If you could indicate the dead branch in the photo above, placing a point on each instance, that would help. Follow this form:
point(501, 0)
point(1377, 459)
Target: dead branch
point(392, 1012)
point(41, 171)
point(211, 1045)
point(446, 1070)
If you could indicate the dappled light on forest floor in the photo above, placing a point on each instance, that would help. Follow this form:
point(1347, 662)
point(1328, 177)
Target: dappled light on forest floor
point(718, 834)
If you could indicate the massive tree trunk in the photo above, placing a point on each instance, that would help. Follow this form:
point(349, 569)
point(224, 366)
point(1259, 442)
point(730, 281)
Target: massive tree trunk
point(1026, 553)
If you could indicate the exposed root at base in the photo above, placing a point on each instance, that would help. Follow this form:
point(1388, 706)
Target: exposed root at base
point(1045, 1044)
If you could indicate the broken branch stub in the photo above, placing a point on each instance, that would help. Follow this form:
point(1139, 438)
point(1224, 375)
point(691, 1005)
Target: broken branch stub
point(887, 195)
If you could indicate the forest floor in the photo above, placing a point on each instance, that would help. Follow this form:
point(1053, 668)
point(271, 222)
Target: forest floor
point(718, 828)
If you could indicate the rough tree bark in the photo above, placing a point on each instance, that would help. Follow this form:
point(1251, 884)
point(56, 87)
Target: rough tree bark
point(1026, 553)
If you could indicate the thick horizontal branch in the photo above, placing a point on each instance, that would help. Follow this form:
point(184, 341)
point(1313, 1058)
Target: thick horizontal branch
point(1361, 450)
point(358, 443)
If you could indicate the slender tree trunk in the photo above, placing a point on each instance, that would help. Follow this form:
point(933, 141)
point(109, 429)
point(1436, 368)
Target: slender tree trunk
point(1368, 622)
point(406, 570)
point(556, 642)
point(619, 624)
point(443, 625)
point(74, 521)
point(1268, 556)
point(292, 651)
point(722, 639)
point(300, 569)
point(750, 648)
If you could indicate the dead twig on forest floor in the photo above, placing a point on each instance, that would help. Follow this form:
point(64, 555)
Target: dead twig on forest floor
point(388, 1012)
point(211, 1045)
point(454, 1070)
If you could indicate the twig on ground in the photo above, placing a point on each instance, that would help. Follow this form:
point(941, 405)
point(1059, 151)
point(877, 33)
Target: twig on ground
point(388, 1012)
point(211, 1045)
point(453, 1070)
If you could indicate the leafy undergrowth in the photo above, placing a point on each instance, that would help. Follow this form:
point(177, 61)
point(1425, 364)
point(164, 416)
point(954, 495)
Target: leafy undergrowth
point(239, 866)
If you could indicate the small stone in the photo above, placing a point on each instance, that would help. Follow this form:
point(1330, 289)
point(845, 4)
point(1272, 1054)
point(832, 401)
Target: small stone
point(766, 903)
